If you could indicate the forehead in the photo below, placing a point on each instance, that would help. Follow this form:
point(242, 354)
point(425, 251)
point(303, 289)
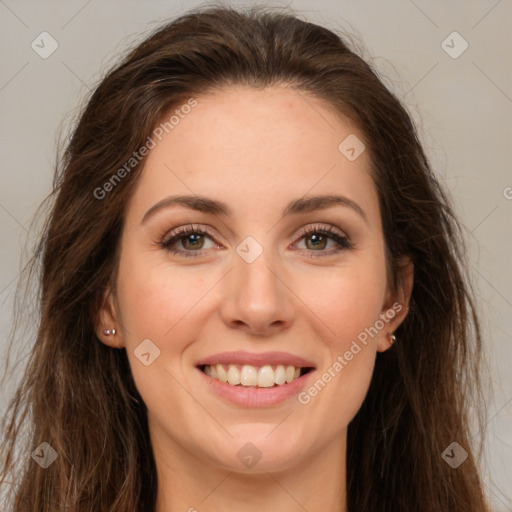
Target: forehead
point(254, 148)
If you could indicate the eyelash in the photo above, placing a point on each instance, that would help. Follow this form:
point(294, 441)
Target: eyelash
point(169, 240)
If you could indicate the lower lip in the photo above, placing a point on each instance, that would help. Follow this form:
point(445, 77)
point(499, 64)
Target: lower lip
point(253, 396)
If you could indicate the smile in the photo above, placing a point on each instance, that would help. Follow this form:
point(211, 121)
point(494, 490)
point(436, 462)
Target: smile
point(248, 379)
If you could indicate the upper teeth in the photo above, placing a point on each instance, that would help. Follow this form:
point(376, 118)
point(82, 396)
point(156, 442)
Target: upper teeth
point(263, 377)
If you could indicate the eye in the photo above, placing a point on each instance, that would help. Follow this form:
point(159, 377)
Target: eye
point(317, 239)
point(189, 239)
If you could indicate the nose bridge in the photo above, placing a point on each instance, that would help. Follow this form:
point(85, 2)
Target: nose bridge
point(257, 277)
point(256, 294)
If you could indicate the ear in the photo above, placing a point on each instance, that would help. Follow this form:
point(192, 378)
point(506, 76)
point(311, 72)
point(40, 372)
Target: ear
point(106, 318)
point(396, 306)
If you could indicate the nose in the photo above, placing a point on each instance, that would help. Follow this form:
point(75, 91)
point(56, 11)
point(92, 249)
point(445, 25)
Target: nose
point(257, 298)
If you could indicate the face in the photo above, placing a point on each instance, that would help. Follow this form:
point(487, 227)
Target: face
point(269, 276)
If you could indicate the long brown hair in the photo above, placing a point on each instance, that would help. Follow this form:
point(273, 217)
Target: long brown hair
point(78, 395)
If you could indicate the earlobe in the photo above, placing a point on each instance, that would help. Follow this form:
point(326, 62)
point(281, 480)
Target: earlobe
point(106, 324)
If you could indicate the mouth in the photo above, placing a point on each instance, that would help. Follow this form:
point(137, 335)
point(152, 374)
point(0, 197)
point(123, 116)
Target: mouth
point(255, 380)
point(254, 376)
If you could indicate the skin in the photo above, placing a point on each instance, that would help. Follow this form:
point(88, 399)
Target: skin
point(255, 150)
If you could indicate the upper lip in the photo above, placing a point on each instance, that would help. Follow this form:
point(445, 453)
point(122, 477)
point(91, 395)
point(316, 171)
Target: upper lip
point(256, 359)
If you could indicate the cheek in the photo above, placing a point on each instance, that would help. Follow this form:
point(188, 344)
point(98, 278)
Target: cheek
point(348, 301)
point(163, 304)
point(332, 400)
point(154, 299)
point(350, 304)
point(158, 303)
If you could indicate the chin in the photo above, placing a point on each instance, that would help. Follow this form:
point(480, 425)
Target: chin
point(260, 449)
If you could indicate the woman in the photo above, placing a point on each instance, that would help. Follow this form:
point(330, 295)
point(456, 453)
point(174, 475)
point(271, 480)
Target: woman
point(253, 290)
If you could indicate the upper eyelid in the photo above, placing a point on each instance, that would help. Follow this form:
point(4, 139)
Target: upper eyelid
point(188, 228)
point(320, 226)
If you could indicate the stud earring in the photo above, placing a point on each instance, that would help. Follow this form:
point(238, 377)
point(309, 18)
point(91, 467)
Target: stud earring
point(392, 338)
point(108, 332)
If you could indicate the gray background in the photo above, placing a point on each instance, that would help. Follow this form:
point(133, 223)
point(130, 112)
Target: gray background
point(463, 107)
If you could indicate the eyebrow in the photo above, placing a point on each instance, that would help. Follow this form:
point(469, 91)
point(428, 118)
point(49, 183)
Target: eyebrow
point(214, 207)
